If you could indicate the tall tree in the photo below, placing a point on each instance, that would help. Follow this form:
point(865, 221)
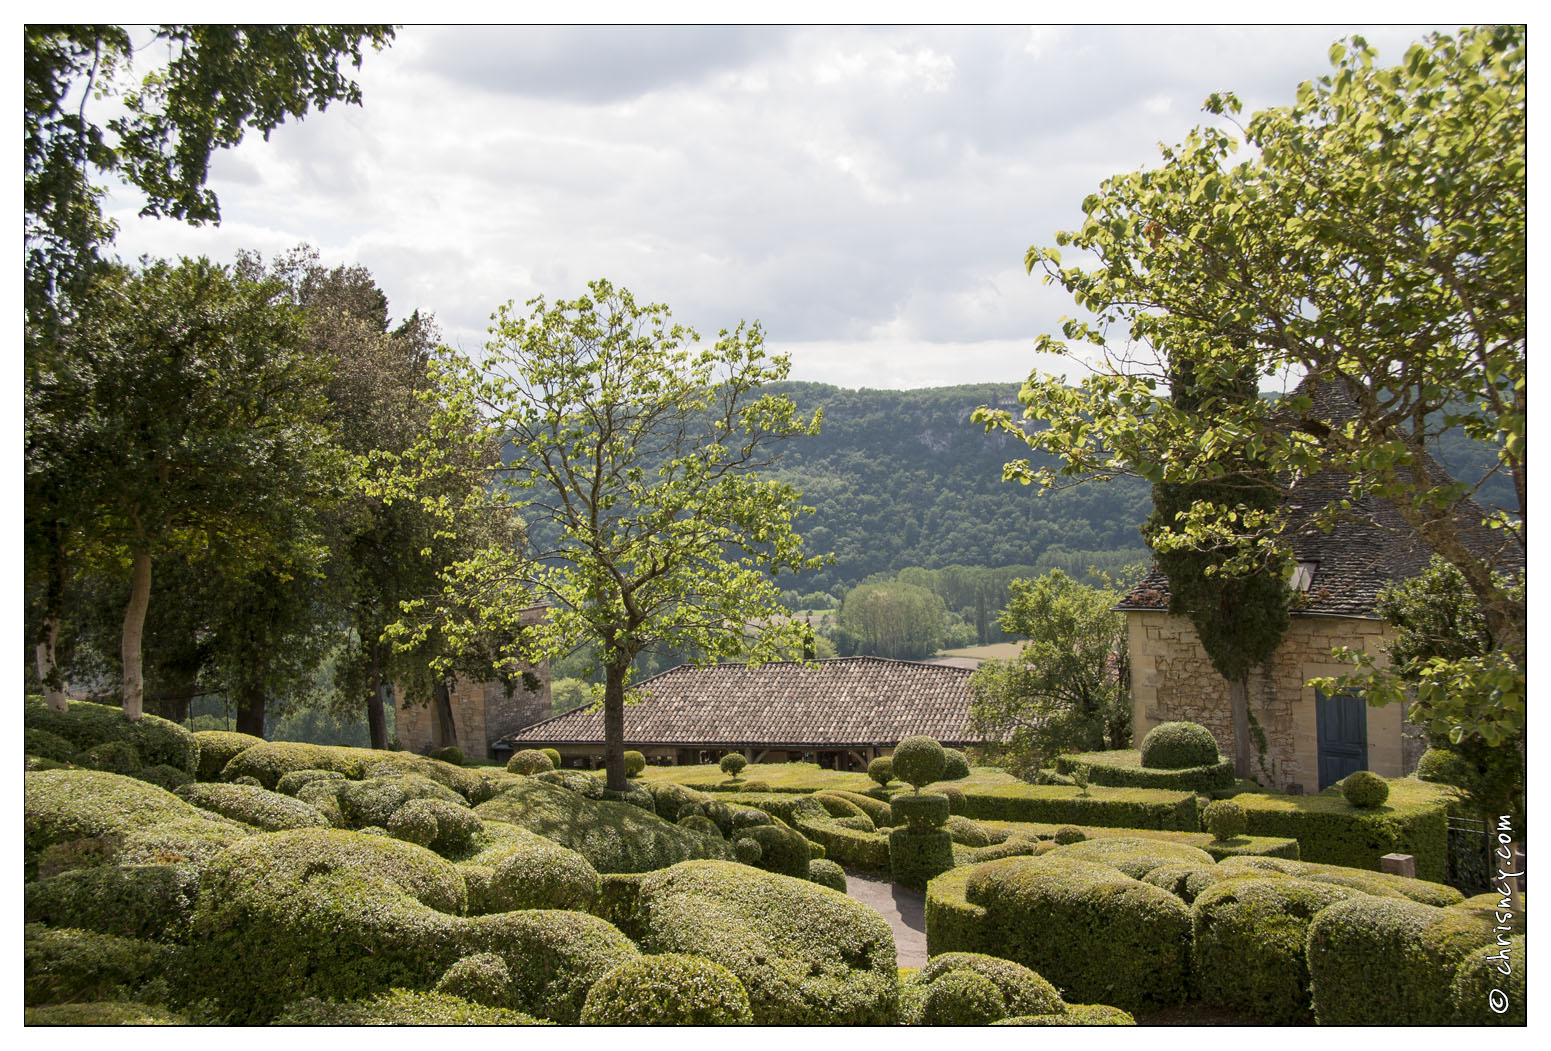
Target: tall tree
point(641, 450)
point(1375, 239)
point(1069, 688)
point(891, 619)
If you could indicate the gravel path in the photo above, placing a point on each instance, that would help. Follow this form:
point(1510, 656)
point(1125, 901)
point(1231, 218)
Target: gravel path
point(904, 909)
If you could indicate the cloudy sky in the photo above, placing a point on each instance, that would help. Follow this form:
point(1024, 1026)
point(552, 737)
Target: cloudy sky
point(867, 194)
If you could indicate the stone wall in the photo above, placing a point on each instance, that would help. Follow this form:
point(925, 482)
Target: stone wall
point(1173, 679)
point(482, 713)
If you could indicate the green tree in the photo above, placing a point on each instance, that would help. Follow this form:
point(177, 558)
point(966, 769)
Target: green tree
point(1375, 239)
point(641, 451)
point(1069, 689)
point(891, 619)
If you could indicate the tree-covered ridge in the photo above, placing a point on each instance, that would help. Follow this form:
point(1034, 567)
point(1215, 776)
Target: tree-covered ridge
point(902, 478)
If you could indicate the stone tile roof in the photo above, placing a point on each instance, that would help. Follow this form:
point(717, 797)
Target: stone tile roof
point(1358, 558)
point(844, 702)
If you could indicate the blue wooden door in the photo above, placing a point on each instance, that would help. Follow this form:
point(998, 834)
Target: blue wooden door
point(1342, 728)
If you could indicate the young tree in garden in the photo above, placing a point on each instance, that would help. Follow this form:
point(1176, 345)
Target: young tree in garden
point(1069, 688)
point(1375, 239)
point(203, 422)
point(640, 450)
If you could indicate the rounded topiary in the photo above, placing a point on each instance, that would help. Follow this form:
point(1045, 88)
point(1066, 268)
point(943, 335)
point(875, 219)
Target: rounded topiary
point(293, 782)
point(482, 979)
point(733, 763)
point(701, 824)
point(955, 765)
point(164, 776)
point(413, 825)
point(962, 998)
point(755, 786)
point(782, 849)
point(967, 833)
point(451, 754)
point(1364, 788)
point(536, 873)
point(747, 850)
point(925, 811)
point(918, 761)
point(249, 780)
point(1443, 766)
point(452, 827)
point(48, 745)
point(881, 770)
point(827, 873)
point(529, 761)
point(111, 757)
point(1483, 995)
point(1225, 819)
point(554, 756)
point(635, 762)
point(1178, 746)
point(1069, 834)
point(955, 797)
point(1023, 990)
point(668, 989)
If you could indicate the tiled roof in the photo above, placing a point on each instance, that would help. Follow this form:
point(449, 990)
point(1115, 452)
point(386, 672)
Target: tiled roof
point(844, 702)
point(1357, 559)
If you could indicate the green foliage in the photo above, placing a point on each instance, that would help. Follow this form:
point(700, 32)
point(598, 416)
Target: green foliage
point(1123, 768)
point(781, 849)
point(481, 979)
point(918, 761)
point(1068, 834)
point(131, 901)
point(448, 827)
point(400, 1007)
point(1076, 1014)
point(891, 619)
point(292, 783)
point(1023, 991)
point(916, 856)
point(697, 823)
point(635, 762)
point(1364, 789)
point(164, 776)
point(748, 851)
point(827, 873)
point(519, 869)
point(955, 765)
point(63, 966)
point(102, 1013)
point(612, 836)
point(264, 809)
point(805, 954)
point(920, 812)
point(732, 764)
point(1225, 819)
point(85, 725)
point(454, 755)
point(375, 800)
point(1134, 856)
point(576, 780)
point(554, 756)
point(1143, 808)
point(1179, 746)
point(962, 997)
point(1383, 961)
point(530, 761)
point(40, 742)
point(668, 989)
point(881, 770)
point(1062, 693)
point(219, 747)
point(113, 757)
point(1492, 978)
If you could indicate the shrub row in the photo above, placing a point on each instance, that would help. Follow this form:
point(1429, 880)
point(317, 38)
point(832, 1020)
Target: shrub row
point(1124, 769)
point(1061, 805)
point(156, 741)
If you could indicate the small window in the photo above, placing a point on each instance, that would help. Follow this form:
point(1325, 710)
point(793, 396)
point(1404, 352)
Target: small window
point(1303, 576)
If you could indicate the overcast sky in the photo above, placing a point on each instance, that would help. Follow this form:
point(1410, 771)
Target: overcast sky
point(867, 194)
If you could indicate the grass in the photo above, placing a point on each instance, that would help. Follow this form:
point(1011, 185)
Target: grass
point(808, 777)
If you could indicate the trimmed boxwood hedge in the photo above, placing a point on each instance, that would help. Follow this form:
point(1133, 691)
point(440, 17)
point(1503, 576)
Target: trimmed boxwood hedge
point(669, 989)
point(1179, 746)
point(1076, 1014)
point(1188, 882)
point(915, 856)
point(1023, 991)
point(219, 747)
point(1480, 987)
point(1330, 830)
point(156, 741)
point(1388, 961)
point(513, 868)
point(1133, 855)
point(806, 954)
point(1123, 769)
point(1380, 883)
point(342, 915)
point(1089, 929)
point(101, 1013)
point(401, 1007)
point(259, 807)
point(1064, 805)
point(867, 851)
point(62, 965)
point(1249, 945)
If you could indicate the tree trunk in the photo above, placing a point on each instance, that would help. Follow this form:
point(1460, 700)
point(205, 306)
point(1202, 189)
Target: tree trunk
point(173, 704)
point(441, 700)
point(134, 629)
point(54, 601)
point(1238, 702)
point(376, 718)
point(48, 671)
point(614, 724)
point(250, 700)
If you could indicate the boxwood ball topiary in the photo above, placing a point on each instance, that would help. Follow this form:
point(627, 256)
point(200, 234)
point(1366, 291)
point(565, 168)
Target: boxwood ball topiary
point(782, 849)
point(635, 762)
point(1069, 834)
point(962, 998)
point(554, 756)
point(529, 761)
point(451, 754)
point(669, 989)
point(747, 850)
point(827, 873)
point(112, 757)
point(482, 979)
point(881, 770)
point(1024, 991)
point(1225, 819)
point(955, 798)
point(918, 761)
point(732, 764)
point(700, 823)
point(1176, 746)
point(925, 811)
point(955, 765)
point(1364, 788)
point(293, 782)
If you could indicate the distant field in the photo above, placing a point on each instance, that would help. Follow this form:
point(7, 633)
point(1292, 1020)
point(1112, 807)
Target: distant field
point(1000, 651)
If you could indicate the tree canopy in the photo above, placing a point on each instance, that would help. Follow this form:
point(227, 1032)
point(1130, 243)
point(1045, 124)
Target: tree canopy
point(1374, 238)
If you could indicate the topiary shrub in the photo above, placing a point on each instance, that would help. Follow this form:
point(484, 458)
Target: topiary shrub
point(1076, 1014)
point(164, 776)
point(881, 770)
point(1069, 834)
point(247, 779)
point(1023, 991)
point(1187, 882)
point(669, 989)
point(1249, 937)
point(554, 756)
point(955, 765)
point(748, 850)
point(454, 826)
point(918, 761)
point(916, 856)
point(576, 780)
point(450, 754)
point(254, 806)
point(1134, 855)
point(112, 757)
point(806, 955)
point(529, 761)
point(635, 795)
point(219, 747)
point(955, 798)
point(921, 812)
point(1490, 986)
point(635, 762)
point(963, 830)
point(481, 979)
point(131, 901)
point(698, 823)
point(292, 783)
point(962, 998)
point(156, 741)
point(782, 849)
point(401, 1007)
point(375, 800)
point(64, 965)
point(732, 764)
point(412, 825)
point(102, 1013)
point(518, 869)
point(1446, 767)
point(1179, 745)
point(1225, 819)
point(47, 745)
point(827, 874)
point(837, 805)
point(754, 786)
point(1364, 788)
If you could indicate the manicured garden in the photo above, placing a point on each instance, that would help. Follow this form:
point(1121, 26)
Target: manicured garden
point(213, 878)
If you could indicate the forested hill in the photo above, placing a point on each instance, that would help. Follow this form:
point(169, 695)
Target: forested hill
point(903, 478)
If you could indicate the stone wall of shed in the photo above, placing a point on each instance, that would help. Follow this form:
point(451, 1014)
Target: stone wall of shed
point(482, 713)
point(1173, 679)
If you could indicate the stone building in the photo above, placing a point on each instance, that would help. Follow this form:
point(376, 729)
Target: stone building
point(841, 714)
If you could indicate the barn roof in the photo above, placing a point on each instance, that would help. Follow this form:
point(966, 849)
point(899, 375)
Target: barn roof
point(842, 702)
